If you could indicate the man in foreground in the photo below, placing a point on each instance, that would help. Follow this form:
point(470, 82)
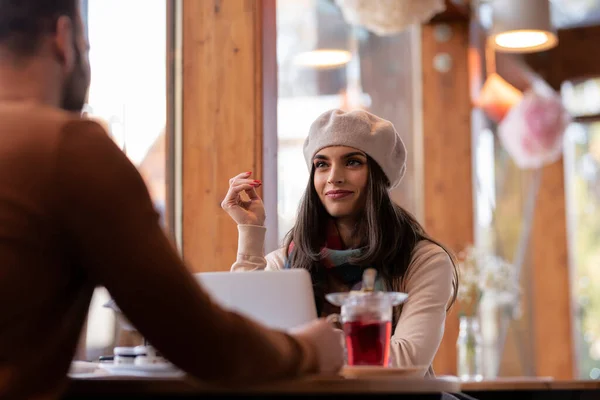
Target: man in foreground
point(75, 214)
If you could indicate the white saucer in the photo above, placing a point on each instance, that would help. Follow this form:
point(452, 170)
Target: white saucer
point(364, 371)
point(160, 369)
point(82, 367)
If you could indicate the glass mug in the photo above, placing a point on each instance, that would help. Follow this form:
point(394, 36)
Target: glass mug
point(366, 319)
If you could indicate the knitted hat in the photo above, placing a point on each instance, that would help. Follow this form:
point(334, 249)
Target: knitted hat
point(364, 131)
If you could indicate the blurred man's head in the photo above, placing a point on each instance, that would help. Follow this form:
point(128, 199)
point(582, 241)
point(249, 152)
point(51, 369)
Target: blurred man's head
point(53, 30)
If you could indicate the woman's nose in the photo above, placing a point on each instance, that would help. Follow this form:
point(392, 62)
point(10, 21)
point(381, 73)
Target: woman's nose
point(335, 176)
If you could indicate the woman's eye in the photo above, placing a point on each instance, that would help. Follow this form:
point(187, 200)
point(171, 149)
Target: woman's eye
point(320, 164)
point(354, 163)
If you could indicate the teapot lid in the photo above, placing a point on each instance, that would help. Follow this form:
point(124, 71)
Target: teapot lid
point(368, 292)
point(339, 299)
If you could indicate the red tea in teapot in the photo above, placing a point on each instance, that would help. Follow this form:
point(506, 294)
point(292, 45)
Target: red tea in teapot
point(368, 342)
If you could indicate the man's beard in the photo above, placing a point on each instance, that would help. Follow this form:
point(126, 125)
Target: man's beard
point(75, 90)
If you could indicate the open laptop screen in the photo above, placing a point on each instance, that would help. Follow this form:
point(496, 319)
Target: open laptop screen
point(278, 299)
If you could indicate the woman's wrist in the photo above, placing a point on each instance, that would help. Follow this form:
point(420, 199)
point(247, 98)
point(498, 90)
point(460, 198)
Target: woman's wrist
point(251, 239)
point(252, 224)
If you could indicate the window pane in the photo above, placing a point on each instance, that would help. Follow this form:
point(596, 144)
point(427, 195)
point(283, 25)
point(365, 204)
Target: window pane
point(128, 96)
point(583, 195)
point(582, 98)
point(502, 193)
point(364, 71)
point(582, 185)
point(506, 197)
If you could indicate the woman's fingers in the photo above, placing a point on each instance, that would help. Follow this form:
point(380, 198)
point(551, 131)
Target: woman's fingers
point(240, 187)
point(247, 185)
point(243, 175)
point(233, 194)
point(238, 184)
point(248, 181)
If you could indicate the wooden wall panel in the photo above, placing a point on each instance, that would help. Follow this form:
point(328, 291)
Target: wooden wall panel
point(447, 157)
point(222, 120)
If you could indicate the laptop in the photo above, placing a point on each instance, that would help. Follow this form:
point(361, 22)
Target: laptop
point(278, 299)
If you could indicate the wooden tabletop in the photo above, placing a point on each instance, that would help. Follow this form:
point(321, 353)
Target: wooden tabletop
point(104, 383)
point(312, 384)
point(529, 383)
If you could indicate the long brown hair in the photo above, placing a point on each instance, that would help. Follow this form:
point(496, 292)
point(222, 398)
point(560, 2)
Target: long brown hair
point(388, 234)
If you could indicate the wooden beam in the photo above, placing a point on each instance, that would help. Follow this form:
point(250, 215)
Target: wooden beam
point(222, 120)
point(447, 151)
point(575, 58)
point(587, 119)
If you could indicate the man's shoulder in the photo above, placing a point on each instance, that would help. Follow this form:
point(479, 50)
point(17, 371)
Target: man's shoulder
point(33, 125)
point(37, 117)
point(27, 114)
point(53, 115)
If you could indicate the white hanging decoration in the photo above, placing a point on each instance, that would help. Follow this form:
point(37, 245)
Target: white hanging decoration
point(388, 17)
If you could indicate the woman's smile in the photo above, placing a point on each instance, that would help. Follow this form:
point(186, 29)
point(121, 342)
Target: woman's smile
point(339, 194)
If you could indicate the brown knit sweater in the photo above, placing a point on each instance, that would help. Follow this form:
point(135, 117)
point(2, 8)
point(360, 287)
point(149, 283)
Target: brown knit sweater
point(75, 214)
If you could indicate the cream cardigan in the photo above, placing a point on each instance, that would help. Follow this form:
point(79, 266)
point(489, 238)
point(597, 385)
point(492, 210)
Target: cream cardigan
point(428, 283)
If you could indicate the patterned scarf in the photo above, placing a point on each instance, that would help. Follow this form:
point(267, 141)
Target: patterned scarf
point(334, 266)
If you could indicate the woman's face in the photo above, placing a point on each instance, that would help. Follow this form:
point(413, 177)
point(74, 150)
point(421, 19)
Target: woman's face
point(340, 180)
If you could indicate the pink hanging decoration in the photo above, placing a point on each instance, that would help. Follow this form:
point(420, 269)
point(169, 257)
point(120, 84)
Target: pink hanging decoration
point(532, 131)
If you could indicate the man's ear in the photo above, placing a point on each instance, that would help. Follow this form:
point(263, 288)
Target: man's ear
point(64, 42)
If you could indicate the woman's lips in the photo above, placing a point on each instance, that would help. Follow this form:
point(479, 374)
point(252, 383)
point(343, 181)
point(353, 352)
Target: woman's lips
point(338, 194)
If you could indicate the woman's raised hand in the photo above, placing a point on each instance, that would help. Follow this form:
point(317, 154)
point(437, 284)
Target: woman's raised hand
point(242, 203)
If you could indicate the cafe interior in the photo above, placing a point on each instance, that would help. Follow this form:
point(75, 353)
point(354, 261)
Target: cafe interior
point(497, 102)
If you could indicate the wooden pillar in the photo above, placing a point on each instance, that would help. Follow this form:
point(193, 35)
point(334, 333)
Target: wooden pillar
point(447, 154)
point(223, 57)
point(552, 316)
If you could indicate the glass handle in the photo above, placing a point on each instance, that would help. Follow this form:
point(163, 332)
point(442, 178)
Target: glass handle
point(335, 320)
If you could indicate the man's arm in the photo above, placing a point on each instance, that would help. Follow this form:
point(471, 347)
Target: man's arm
point(106, 209)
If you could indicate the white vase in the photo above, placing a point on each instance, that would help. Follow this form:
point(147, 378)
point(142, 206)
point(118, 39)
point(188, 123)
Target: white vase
point(489, 316)
point(469, 350)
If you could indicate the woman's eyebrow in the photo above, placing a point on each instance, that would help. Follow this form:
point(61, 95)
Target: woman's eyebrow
point(354, 153)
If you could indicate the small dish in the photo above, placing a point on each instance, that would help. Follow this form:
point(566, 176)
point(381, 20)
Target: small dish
point(156, 369)
point(83, 367)
point(368, 371)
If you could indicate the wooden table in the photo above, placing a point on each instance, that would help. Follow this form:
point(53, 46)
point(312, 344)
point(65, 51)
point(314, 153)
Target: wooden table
point(93, 385)
point(529, 383)
point(532, 388)
point(184, 387)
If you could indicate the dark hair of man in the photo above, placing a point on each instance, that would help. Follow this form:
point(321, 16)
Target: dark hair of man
point(23, 23)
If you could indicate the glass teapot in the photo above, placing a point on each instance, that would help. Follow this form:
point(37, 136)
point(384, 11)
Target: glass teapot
point(366, 319)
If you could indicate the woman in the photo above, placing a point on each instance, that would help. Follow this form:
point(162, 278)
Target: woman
point(347, 222)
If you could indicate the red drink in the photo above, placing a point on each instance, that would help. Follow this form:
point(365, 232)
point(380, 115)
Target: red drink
point(368, 342)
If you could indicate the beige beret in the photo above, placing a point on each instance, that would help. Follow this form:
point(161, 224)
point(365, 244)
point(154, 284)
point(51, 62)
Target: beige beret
point(362, 130)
